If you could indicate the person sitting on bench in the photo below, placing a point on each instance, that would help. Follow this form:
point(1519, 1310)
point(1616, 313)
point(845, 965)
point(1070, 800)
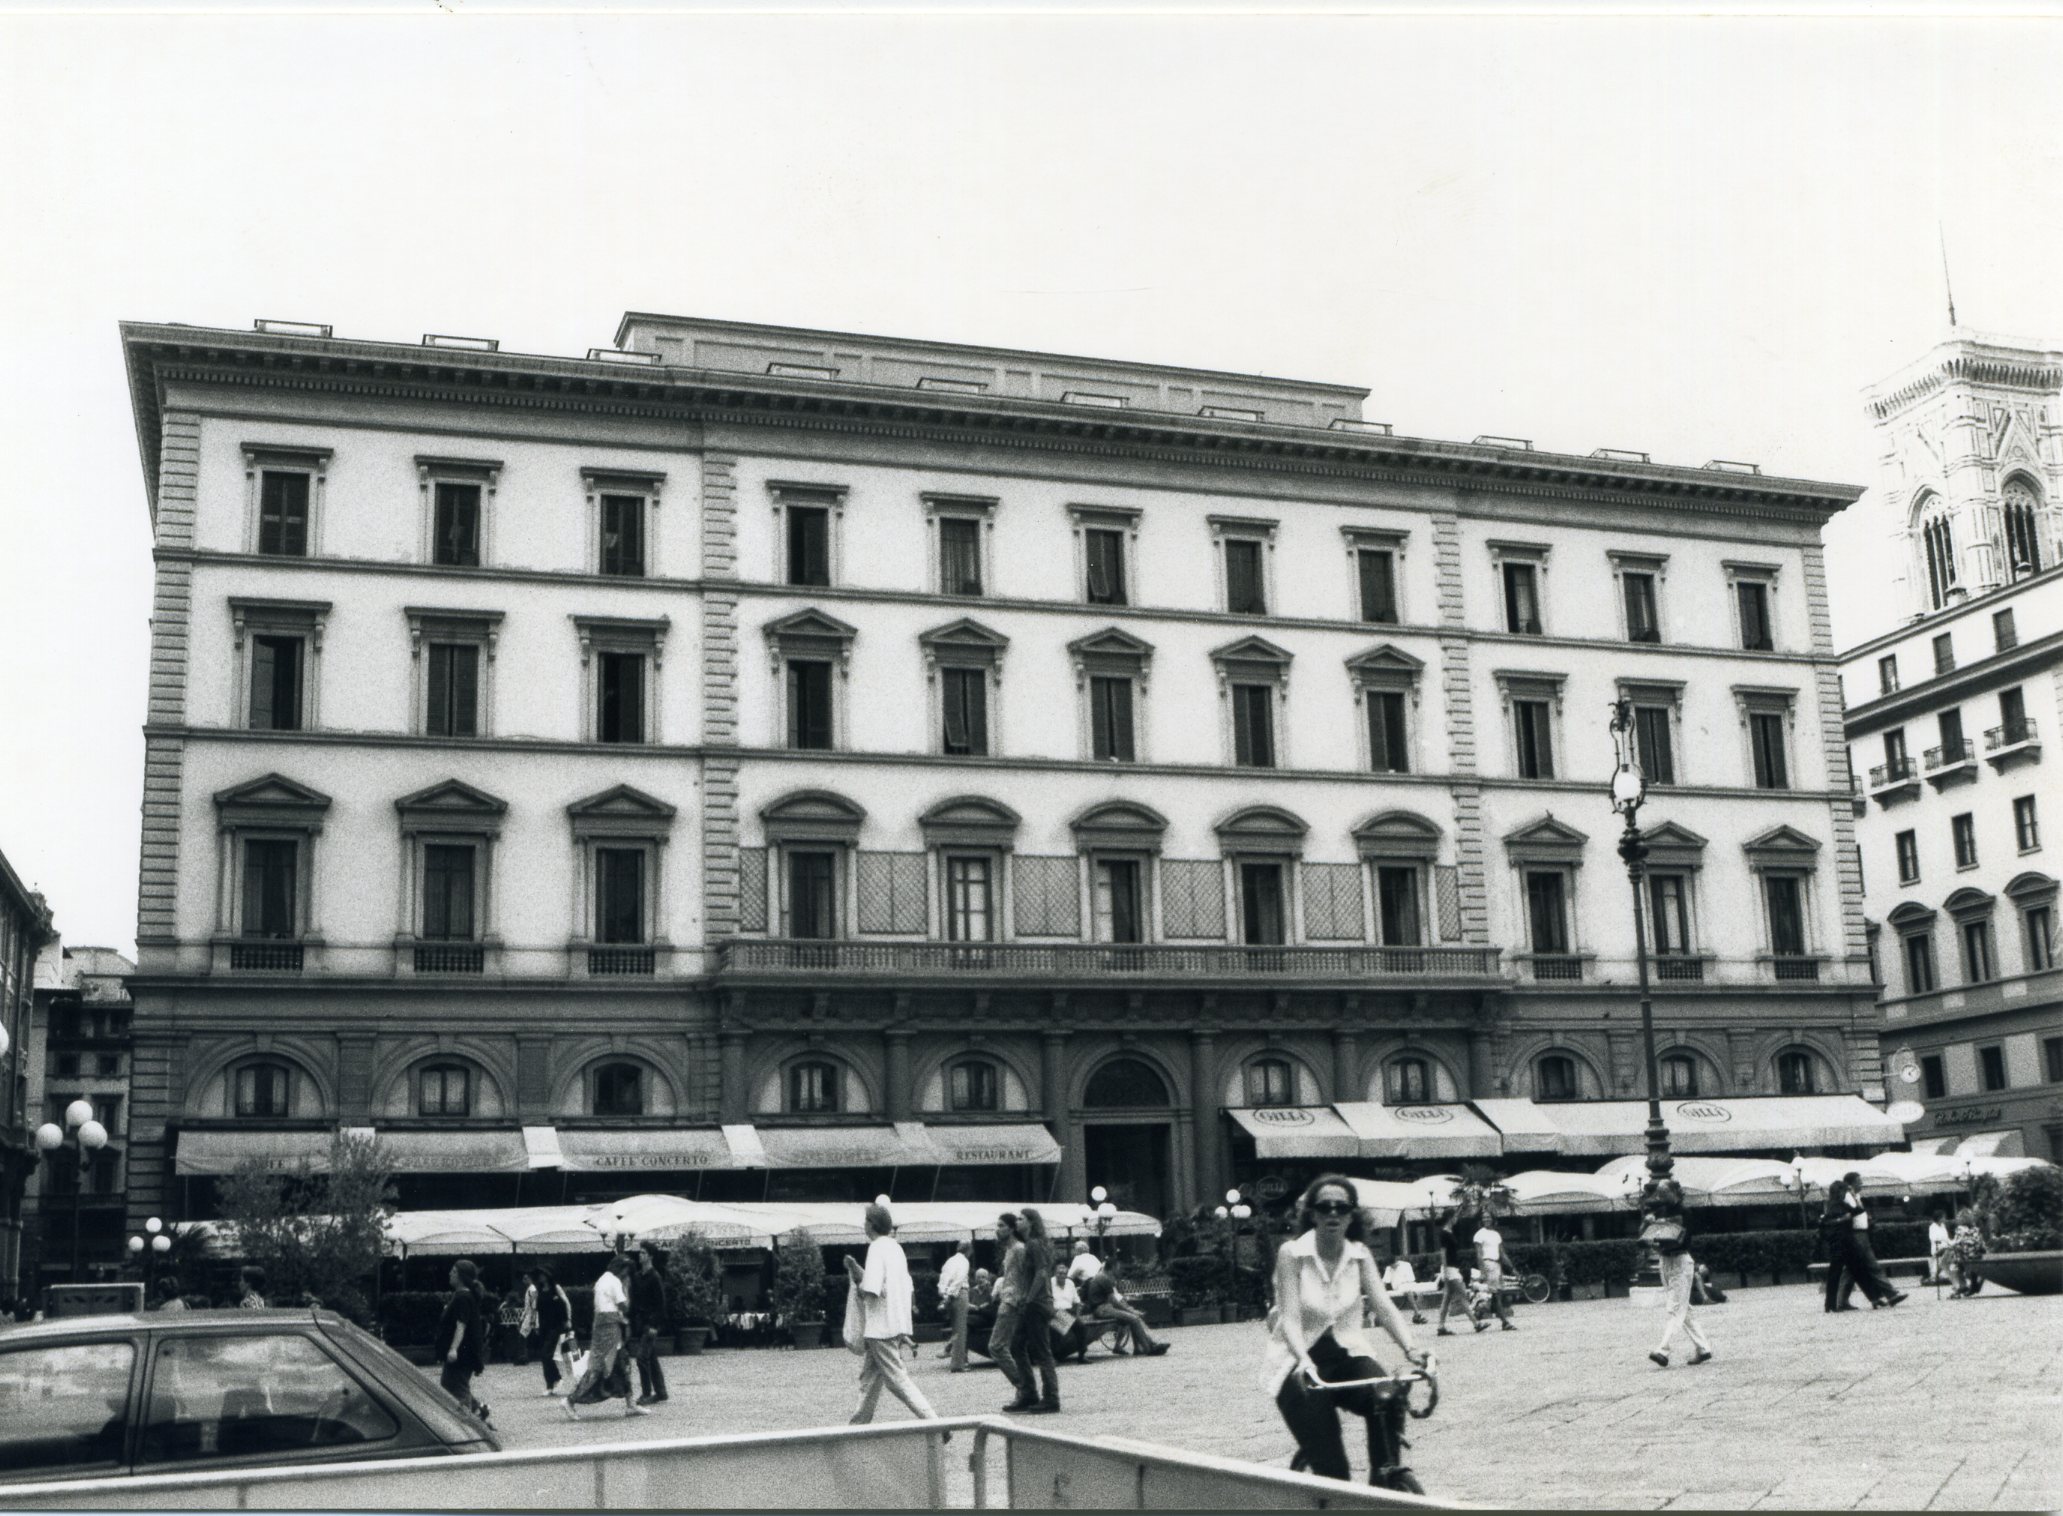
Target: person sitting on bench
point(1102, 1302)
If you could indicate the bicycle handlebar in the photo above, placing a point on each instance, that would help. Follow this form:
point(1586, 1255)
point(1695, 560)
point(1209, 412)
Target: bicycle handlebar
point(1427, 1374)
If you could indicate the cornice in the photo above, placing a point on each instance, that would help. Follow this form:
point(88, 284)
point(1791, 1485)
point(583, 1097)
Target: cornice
point(2040, 373)
point(1948, 615)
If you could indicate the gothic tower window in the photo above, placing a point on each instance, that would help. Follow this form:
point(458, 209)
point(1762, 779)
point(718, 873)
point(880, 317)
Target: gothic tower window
point(1939, 546)
point(2023, 529)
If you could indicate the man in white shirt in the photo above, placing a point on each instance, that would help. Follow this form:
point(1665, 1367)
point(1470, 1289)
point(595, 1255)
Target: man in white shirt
point(952, 1294)
point(1400, 1283)
point(884, 1300)
point(1085, 1265)
point(1490, 1258)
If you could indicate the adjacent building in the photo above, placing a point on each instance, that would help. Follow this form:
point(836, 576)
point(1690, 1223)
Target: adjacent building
point(1946, 720)
point(754, 761)
point(83, 1034)
point(25, 925)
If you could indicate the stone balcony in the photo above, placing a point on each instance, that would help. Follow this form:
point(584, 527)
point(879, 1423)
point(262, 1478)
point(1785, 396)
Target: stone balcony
point(796, 961)
point(2013, 742)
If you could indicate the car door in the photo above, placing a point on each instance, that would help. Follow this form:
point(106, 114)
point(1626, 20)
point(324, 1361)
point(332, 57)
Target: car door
point(65, 1406)
point(244, 1399)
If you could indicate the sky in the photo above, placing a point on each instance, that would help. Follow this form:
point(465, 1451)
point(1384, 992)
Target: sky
point(1697, 237)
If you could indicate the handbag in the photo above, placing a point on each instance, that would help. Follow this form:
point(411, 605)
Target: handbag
point(562, 1358)
point(1665, 1233)
point(855, 1320)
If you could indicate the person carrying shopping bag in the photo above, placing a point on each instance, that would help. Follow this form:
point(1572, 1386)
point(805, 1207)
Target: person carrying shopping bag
point(881, 1295)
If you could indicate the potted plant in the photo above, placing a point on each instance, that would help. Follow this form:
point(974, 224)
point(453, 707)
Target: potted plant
point(2024, 1222)
point(1198, 1283)
point(694, 1286)
point(799, 1289)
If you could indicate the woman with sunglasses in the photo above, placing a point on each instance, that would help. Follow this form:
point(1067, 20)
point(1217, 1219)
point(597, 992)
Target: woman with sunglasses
point(1325, 1284)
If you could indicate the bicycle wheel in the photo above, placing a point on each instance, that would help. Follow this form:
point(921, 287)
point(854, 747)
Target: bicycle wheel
point(1536, 1288)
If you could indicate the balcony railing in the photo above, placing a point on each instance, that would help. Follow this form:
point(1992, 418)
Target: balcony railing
point(450, 958)
point(1557, 966)
point(265, 957)
point(2010, 734)
point(1680, 969)
point(1105, 960)
point(1897, 771)
point(1790, 968)
point(620, 962)
point(1951, 753)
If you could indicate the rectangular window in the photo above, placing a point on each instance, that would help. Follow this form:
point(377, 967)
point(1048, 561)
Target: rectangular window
point(812, 895)
point(276, 684)
point(1991, 1067)
point(1244, 595)
point(809, 544)
point(1944, 652)
point(283, 514)
point(809, 704)
point(620, 697)
point(1547, 912)
point(261, 1090)
point(1933, 1077)
point(2027, 831)
point(1766, 742)
point(619, 894)
point(1908, 846)
point(457, 525)
point(1521, 599)
point(453, 707)
point(1651, 734)
point(963, 696)
point(1253, 726)
point(1388, 750)
point(1752, 598)
point(2013, 714)
point(1963, 829)
point(973, 1086)
point(968, 914)
point(1643, 623)
point(2003, 633)
point(2039, 928)
point(1120, 906)
point(1977, 965)
point(1378, 584)
point(447, 892)
point(1950, 726)
point(2052, 1060)
point(1396, 900)
point(1104, 549)
point(1786, 900)
point(959, 556)
point(623, 535)
point(271, 883)
point(1919, 964)
point(1110, 718)
point(1669, 914)
point(1263, 916)
point(1535, 739)
point(1887, 674)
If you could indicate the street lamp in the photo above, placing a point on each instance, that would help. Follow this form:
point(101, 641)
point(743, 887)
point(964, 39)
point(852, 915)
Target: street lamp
point(1629, 789)
point(1106, 1213)
point(1234, 1211)
point(80, 1127)
point(157, 1241)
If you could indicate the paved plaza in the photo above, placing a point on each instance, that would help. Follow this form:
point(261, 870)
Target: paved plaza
point(1943, 1405)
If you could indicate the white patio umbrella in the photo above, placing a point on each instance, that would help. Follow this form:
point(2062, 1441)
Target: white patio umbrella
point(1393, 1200)
point(1545, 1192)
point(663, 1216)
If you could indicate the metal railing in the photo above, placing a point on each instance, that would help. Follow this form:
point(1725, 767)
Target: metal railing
point(1556, 966)
point(1897, 771)
point(2010, 734)
point(1948, 753)
point(610, 963)
point(265, 957)
point(1797, 968)
point(1101, 960)
point(450, 958)
point(1672, 967)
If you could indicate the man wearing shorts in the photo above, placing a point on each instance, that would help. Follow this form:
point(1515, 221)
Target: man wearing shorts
point(1455, 1257)
point(1490, 1259)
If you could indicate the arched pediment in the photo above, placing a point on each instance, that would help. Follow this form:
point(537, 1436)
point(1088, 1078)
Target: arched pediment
point(1546, 840)
point(1123, 824)
point(1909, 915)
point(2031, 885)
point(453, 802)
point(969, 820)
point(1264, 827)
point(811, 816)
point(1968, 901)
point(1397, 834)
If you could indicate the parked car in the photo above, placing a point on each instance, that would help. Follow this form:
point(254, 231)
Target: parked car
point(90, 1397)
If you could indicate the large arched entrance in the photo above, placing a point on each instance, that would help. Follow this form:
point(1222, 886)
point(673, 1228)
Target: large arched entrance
point(1127, 1135)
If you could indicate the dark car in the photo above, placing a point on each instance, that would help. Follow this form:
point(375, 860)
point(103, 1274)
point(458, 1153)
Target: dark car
point(98, 1396)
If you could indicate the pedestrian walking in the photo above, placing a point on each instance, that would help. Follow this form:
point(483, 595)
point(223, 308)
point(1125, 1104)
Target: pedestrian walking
point(1845, 1226)
point(1664, 1229)
point(253, 1298)
point(1938, 1243)
point(1034, 1344)
point(647, 1318)
point(953, 1282)
point(1489, 1243)
point(526, 1315)
point(608, 1355)
point(461, 1338)
point(884, 1298)
point(1863, 1257)
point(1455, 1258)
point(554, 1327)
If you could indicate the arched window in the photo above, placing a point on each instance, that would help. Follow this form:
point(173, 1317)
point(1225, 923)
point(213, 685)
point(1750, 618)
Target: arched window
point(1271, 1081)
point(1680, 1076)
point(1125, 1082)
point(619, 1090)
point(1554, 1078)
point(1939, 544)
point(444, 1089)
point(813, 1087)
point(1407, 1081)
point(264, 1091)
point(2023, 529)
point(973, 1085)
point(1797, 1073)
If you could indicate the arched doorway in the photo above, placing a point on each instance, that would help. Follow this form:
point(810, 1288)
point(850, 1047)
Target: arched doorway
point(1127, 1135)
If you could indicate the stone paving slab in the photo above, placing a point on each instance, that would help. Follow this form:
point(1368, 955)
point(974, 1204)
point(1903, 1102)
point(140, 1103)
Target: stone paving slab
point(1936, 1404)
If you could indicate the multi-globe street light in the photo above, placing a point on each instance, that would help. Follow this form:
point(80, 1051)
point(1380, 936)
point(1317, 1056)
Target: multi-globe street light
point(1629, 790)
point(1230, 1215)
point(79, 1127)
point(1106, 1213)
point(147, 1249)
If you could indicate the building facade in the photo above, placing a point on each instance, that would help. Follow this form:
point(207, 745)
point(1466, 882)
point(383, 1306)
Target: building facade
point(25, 925)
point(1945, 722)
point(83, 1029)
point(751, 761)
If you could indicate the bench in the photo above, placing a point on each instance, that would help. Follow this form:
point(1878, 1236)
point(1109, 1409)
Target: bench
point(1892, 1267)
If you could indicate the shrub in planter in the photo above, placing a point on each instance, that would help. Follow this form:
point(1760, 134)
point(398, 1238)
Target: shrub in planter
point(2026, 1214)
point(408, 1318)
point(694, 1284)
point(798, 1290)
point(1198, 1282)
point(925, 1305)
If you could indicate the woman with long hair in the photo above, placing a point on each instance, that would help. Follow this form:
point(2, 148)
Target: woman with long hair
point(1325, 1283)
point(1033, 1347)
point(554, 1321)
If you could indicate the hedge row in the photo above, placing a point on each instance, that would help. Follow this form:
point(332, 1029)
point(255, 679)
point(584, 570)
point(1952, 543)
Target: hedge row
point(408, 1318)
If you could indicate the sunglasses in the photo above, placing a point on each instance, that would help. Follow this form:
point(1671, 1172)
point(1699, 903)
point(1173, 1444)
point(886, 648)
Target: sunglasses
point(1332, 1208)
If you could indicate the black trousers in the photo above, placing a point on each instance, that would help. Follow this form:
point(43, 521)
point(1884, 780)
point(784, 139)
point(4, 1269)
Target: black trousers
point(651, 1377)
point(1033, 1348)
point(1313, 1416)
point(1849, 1255)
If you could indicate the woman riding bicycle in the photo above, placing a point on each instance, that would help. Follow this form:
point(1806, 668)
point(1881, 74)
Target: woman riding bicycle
point(1325, 1283)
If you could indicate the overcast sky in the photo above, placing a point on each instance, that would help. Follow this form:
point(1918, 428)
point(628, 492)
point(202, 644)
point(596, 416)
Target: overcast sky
point(1699, 238)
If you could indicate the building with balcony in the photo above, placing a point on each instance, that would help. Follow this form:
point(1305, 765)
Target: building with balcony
point(1945, 720)
point(751, 761)
point(25, 925)
point(84, 1033)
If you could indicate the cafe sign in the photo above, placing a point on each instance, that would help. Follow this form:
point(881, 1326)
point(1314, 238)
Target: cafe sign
point(1971, 1115)
point(1424, 1115)
point(1282, 1115)
point(1703, 1111)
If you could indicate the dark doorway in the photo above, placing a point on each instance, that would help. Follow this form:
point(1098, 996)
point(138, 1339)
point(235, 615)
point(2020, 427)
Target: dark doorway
point(1131, 1161)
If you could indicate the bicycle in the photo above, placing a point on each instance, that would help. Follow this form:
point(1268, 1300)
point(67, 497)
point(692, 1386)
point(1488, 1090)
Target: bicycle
point(1532, 1288)
point(1392, 1393)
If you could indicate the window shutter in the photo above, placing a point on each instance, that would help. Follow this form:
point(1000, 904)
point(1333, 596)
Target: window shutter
point(752, 889)
point(1046, 895)
point(1332, 902)
point(1447, 900)
point(1192, 898)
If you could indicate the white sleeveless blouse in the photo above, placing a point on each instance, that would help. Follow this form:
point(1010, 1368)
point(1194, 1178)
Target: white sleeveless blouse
point(1327, 1302)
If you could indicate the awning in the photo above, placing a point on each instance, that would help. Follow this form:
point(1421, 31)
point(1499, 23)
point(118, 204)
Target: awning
point(1709, 1181)
point(1395, 1200)
point(542, 1143)
point(645, 1148)
point(1608, 1128)
point(1545, 1192)
point(224, 1152)
point(1992, 1145)
point(1419, 1131)
point(842, 1147)
point(1297, 1131)
point(1015, 1142)
point(460, 1152)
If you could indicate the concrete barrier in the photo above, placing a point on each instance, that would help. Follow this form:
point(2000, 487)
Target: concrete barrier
point(1054, 1471)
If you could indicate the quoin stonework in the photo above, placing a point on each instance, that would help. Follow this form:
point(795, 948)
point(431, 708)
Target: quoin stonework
point(752, 761)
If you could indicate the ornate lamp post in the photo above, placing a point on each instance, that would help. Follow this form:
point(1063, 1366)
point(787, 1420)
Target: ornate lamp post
point(80, 1127)
point(1234, 1211)
point(146, 1249)
point(1106, 1213)
point(1629, 789)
